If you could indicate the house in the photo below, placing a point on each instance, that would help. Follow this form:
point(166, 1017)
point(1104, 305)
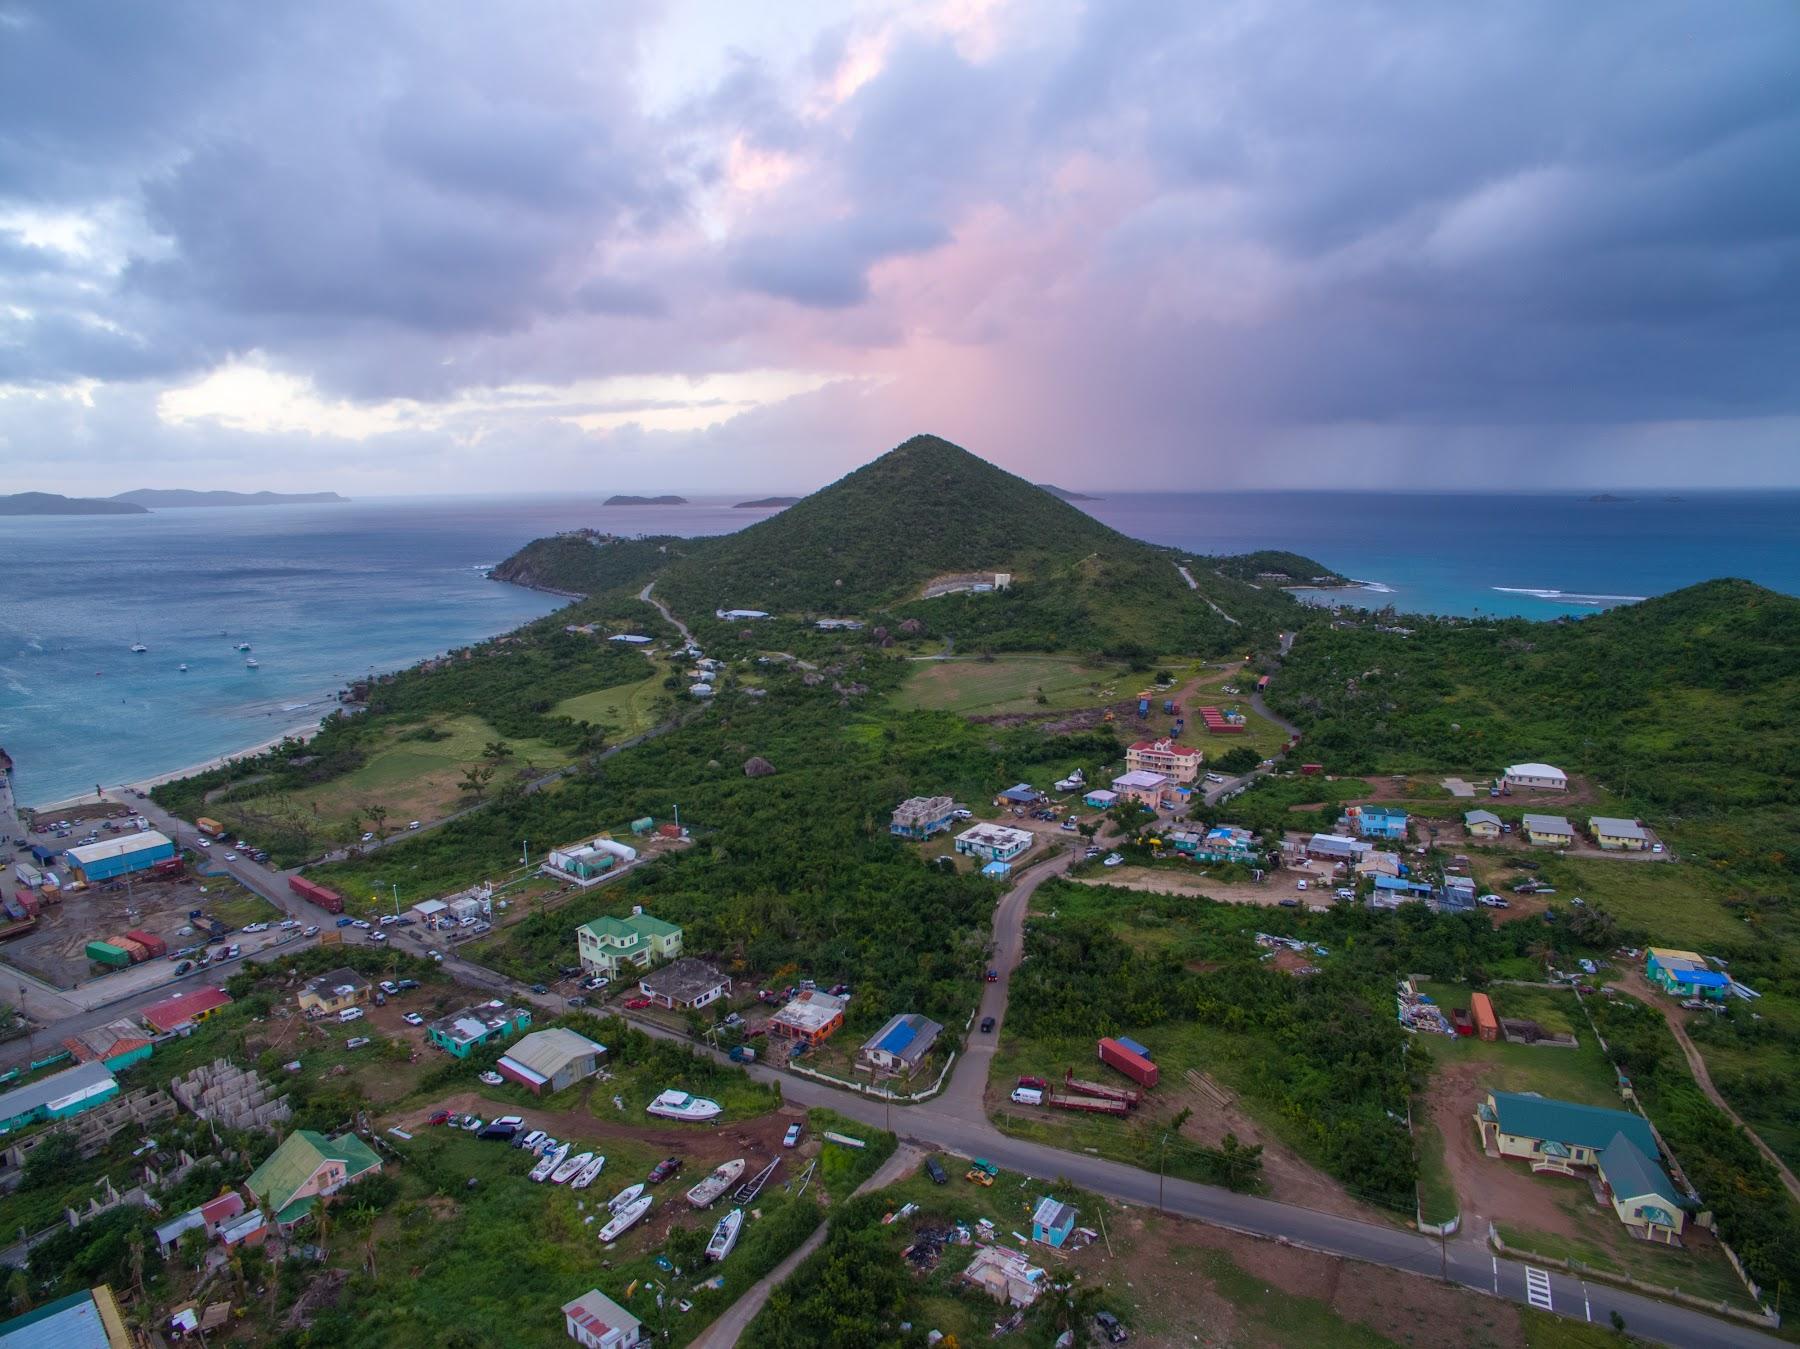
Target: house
point(1537, 777)
point(920, 817)
point(1101, 799)
point(58, 1096)
point(812, 1017)
point(185, 1009)
point(994, 842)
point(86, 1320)
point(686, 983)
point(1378, 863)
point(117, 1044)
point(306, 1168)
point(608, 945)
point(1178, 763)
point(1143, 787)
point(461, 1033)
point(1383, 822)
point(1223, 843)
point(209, 1217)
point(546, 1061)
point(1683, 974)
point(1481, 824)
point(740, 615)
point(596, 1321)
point(1559, 1136)
point(333, 992)
point(1019, 794)
point(1006, 1276)
point(1549, 831)
point(1458, 896)
point(1052, 1221)
point(1618, 835)
point(839, 625)
point(1336, 848)
point(901, 1045)
point(1392, 891)
point(630, 638)
point(701, 690)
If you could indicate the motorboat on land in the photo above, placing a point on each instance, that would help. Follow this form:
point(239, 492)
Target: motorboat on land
point(725, 1235)
point(722, 1179)
point(626, 1218)
point(550, 1161)
point(589, 1173)
point(490, 1077)
point(625, 1196)
point(674, 1104)
point(570, 1168)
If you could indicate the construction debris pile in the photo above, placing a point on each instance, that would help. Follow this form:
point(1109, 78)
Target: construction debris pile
point(1420, 1013)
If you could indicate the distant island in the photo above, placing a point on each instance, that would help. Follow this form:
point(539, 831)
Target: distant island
point(165, 497)
point(1064, 492)
point(645, 501)
point(50, 503)
point(1607, 498)
point(766, 504)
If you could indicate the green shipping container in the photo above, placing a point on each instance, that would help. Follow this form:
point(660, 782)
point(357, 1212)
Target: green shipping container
point(643, 826)
point(105, 953)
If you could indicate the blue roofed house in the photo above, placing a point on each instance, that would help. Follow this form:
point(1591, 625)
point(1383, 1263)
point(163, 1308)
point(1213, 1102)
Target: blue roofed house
point(900, 1046)
point(1458, 895)
point(1019, 794)
point(1052, 1221)
point(1379, 822)
point(1684, 974)
point(1393, 891)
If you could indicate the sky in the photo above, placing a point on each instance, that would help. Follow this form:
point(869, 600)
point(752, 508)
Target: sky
point(389, 246)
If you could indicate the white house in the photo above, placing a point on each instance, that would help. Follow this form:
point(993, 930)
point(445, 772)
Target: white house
point(1537, 777)
point(597, 1322)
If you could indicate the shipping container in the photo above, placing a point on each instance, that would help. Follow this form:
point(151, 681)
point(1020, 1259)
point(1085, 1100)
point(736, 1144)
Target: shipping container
point(209, 827)
point(137, 953)
point(1096, 1105)
point(1104, 1089)
point(1481, 1008)
point(1136, 1048)
point(1312, 769)
point(105, 953)
point(329, 900)
point(29, 899)
point(152, 943)
point(1135, 1066)
point(169, 866)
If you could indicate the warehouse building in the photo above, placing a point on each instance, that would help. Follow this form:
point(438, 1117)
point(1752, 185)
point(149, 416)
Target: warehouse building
point(58, 1096)
point(546, 1061)
point(114, 857)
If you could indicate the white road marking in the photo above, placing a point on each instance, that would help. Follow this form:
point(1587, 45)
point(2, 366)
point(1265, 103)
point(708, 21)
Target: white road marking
point(1496, 1260)
point(1587, 1303)
point(1537, 1288)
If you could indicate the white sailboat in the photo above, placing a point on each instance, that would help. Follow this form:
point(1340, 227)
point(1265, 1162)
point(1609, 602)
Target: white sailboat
point(139, 648)
point(725, 1235)
point(589, 1173)
point(568, 1169)
point(674, 1104)
point(182, 667)
point(549, 1162)
point(243, 646)
point(626, 1218)
point(721, 1180)
point(625, 1196)
point(250, 663)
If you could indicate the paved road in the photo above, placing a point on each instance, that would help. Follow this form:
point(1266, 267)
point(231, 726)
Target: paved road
point(1194, 586)
point(666, 612)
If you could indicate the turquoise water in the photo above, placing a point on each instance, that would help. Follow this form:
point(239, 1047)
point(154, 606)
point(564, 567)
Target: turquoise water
point(325, 594)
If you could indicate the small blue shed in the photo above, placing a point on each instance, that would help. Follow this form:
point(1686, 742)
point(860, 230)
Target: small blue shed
point(1052, 1221)
point(998, 871)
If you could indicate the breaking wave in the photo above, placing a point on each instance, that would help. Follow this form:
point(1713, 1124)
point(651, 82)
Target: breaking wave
point(1571, 596)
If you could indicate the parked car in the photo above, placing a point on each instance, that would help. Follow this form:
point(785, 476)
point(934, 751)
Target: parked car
point(792, 1137)
point(408, 983)
point(1112, 860)
point(935, 1170)
point(362, 923)
point(667, 1167)
point(378, 936)
point(539, 989)
point(343, 922)
point(441, 1117)
point(184, 967)
point(413, 1019)
point(351, 1014)
point(578, 1001)
point(356, 1042)
point(637, 1004)
point(388, 986)
point(438, 956)
point(1108, 1325)
point(309, 932)
point(993, 976)
point(414, 825)
point(1035, 1083)
point(595, 984)
point(987, 1025)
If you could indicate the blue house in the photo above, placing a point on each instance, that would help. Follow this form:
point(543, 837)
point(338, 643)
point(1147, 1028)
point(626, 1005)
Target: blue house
point(997, 871)
point(1395, 890)
point(1381, 822)
point(1019, 794)
point(920, 817)
point(1052, 1221)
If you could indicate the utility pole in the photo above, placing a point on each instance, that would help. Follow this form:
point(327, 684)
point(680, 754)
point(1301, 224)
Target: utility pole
point(525, 853)
point(1162, 1153)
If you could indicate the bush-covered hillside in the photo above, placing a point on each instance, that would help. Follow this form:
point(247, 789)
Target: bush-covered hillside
point(586, 563)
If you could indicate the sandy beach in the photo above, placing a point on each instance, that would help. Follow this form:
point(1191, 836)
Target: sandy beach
point(302, 733)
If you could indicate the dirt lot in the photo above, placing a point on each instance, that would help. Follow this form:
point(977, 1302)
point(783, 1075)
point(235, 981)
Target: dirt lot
point(55, 950)
point(1491, 1190)
point(1197, 883)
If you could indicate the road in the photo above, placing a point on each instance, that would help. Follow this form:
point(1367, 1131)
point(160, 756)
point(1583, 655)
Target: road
point(1194, 586)
point(666, 612)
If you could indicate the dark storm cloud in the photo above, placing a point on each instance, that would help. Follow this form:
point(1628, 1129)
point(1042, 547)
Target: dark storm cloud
point(828, 267)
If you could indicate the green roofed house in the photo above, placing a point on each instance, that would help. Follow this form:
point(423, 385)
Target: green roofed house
point(607, 945)
point(307, 1167)
point(1641, 1192)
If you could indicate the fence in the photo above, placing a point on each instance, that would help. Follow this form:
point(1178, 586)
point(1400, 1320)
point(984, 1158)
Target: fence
point(880, 1093)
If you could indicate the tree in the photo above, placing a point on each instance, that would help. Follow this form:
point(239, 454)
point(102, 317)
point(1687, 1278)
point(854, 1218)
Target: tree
point(49, 1162)
point(378, 819)
point(686, 1246)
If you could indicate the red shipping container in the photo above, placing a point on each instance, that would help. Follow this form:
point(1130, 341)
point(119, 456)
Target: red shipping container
point(1135, 1066)
point(329, 900)
point(152, 943)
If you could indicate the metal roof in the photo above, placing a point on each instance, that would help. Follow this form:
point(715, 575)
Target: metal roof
point(73, 1322)
point(1616, 828)
point(1588, 1126)
point(81, 1080)
point(1536, 770)
point(123, 846)
point(548, 1052)
point(1052, 1213)
point(1480, 817)
point(183, 1007)
point(1549, 824)
point(907, 1037)
point(1631, 1174)
point(1140, 777)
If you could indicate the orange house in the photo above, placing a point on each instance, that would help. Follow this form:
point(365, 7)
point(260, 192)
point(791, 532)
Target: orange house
point(813, 1017)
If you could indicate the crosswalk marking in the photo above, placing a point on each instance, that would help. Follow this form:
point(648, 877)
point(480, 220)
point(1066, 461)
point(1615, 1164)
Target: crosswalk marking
point(1537, 1288)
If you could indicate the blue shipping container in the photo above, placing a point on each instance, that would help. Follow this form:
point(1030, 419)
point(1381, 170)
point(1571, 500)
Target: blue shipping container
point(1135, 1047)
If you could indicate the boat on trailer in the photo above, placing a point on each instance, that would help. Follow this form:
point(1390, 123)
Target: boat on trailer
point(589, 1173)
point(550, 1161)
point(722, 1179)
point(679, 1105)
point(626, 1218)
point(725, 1235)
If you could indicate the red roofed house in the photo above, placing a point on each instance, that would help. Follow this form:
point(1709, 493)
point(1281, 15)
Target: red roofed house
point(595, 1320)
point(1178, 763)
point(185, 1009)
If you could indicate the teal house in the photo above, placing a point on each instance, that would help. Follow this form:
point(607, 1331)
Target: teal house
point(58, 1096)
point(462, 1033)
point(1052, 1221)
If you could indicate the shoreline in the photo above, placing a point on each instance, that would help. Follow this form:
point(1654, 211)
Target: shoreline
point(302, 733)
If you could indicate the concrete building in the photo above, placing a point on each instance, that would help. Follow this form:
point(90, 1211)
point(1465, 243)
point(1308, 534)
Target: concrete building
point(608, 945)
point(1177, 762)
point(546, 1061)
point(1458, 896)
point(812, 1017)
point(919, 817)
point(461, 1033)
point(307, 1168)
point(686, 983)
point(1337, 848)
point(994, 842)
point(1684, 974)
point(125, 855)
point(84, 1320)
point(1019, 794)
point(1618, 835)
point(900, 1046)
point(1537, 777)
point(587, 863)
point(1006, 1276)
point(1559, 1136)
point(597, 1322)
point(185, 1009)
point(1549, 831)
point(1481, 824)
point(333, 992)
point(1222, 843)
point(1101, 799)
point(117, 1044)
point(1052, 1221)
point(1143, 787)
point(57, 1097)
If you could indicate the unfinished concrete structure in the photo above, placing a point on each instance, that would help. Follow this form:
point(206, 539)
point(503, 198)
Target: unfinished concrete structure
point(238, 1098)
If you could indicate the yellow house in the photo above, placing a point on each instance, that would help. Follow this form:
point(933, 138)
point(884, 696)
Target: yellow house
point(1481, 824)
point(1549, 831)
point(333, 992)
point(1615, 834)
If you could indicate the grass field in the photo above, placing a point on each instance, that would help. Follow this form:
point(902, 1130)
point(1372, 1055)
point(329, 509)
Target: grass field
point(1670, 903)
point(1012, 684)
point(624, 711)
point(1437, 1192)
point(1580, 1074)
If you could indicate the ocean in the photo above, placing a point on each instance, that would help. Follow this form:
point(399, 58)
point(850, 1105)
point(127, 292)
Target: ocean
point(325, 594)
